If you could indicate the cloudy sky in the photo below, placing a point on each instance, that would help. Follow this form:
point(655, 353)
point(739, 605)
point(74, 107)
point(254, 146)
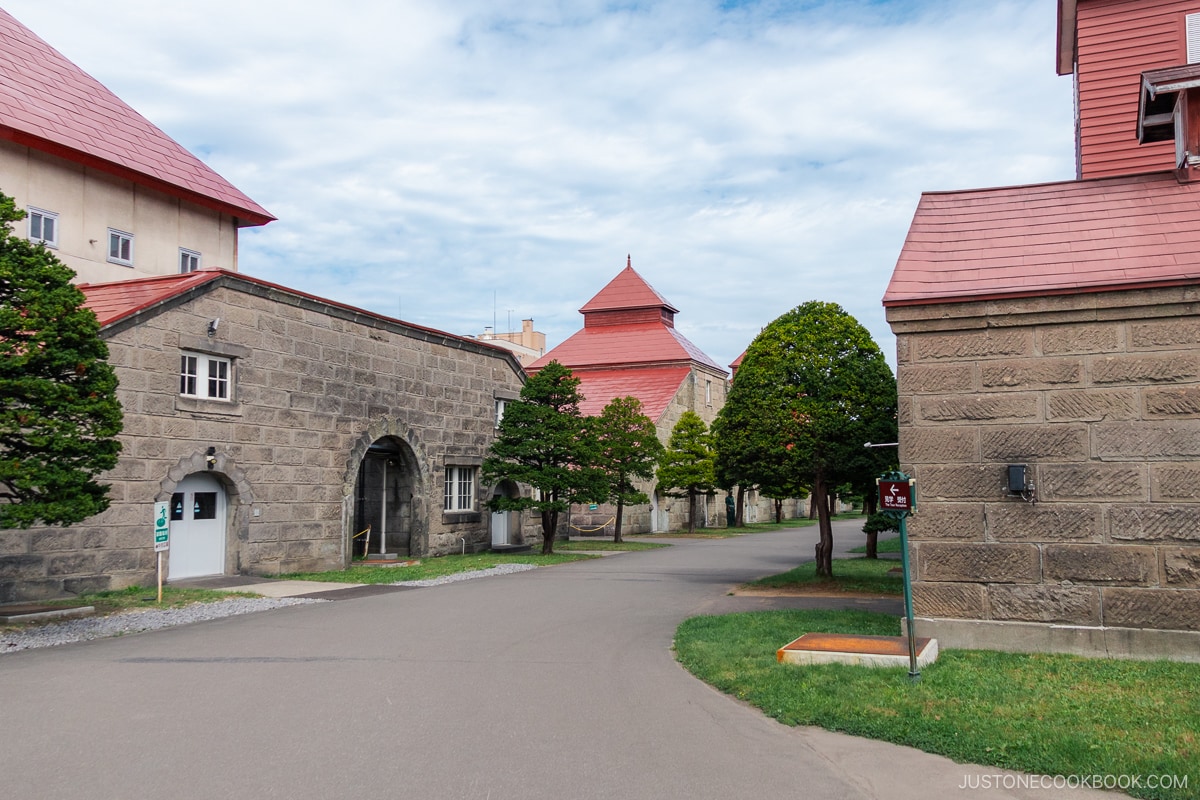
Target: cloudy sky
point(461, 162)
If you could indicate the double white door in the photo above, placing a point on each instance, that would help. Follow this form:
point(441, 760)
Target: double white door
point(197, 528)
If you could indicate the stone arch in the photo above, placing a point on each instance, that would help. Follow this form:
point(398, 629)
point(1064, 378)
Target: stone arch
point(239, 498)
point(388, 445)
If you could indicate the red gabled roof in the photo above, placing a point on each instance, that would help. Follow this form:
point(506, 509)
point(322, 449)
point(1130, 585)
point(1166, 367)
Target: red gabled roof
point(1054, 238)
point(624, 345)
point(113, 301)
point(49, 104)
point(653, 386)
point(628, 290)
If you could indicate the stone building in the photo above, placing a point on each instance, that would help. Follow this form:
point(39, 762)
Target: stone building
point(112, 195)
point(277, 425)
point(1048, 371)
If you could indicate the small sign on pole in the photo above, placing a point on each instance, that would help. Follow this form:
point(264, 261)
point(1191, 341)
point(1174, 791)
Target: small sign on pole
point(898, 499)
point(162, 538)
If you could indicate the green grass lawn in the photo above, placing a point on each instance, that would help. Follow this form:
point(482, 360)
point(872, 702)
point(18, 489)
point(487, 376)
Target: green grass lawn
point(869, 575)
point(433, 567)
point(604, 545)
point(891, 545)
point(1044, 714)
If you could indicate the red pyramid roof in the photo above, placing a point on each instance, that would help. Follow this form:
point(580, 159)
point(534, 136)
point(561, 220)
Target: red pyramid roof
point(627, 290)
point(654, 386)
point(49, 104)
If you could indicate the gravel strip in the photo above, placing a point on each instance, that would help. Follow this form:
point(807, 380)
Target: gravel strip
point(136, 621)
point(503, 569)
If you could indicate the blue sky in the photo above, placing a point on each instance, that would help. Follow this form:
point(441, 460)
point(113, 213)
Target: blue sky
point(459, 163)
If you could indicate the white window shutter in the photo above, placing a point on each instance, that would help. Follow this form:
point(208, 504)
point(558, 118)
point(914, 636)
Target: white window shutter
point(1192, 24)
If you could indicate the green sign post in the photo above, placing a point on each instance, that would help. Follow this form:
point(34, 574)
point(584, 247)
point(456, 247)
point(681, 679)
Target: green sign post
point(162, 538)
point(898, 499)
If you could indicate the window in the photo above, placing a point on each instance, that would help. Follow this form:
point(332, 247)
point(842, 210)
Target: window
point(500, 405)
point(460, 489)
point(43, 226)
point(708, 393)
point(1192, 26)
point(189, 260)
point(120, 247)
point(204, 376)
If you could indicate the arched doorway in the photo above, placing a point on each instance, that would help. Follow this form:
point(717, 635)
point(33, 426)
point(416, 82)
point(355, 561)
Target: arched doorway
point(198, 518)
point(383, 498)
point(505, 524)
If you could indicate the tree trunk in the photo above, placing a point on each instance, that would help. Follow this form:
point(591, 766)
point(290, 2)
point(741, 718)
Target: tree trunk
point(691, 511)
point(549, 531)
point(832, 502)
point(741, 507)
point(824, 553)
point(617, 531)
point(873, 544)
point(870, 500)
point(778, 511)
point(812, 504)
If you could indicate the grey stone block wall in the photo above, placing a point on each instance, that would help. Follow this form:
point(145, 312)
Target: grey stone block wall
point(1099, 394)
point(315, 384)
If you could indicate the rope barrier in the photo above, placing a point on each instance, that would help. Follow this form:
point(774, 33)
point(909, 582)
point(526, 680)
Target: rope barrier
point(592, 530)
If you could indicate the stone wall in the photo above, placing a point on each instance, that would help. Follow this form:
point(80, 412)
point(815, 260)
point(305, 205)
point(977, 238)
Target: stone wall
point(315, 384)
point(1099, 394)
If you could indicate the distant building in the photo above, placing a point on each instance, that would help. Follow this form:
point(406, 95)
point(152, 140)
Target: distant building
point(629, 346)
point(1049, 378)
point(110, 193)
point(528, 345)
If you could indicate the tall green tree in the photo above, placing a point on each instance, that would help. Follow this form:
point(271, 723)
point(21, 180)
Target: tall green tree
point(543, 442)
point(812, 389)
point(687, 467)
point(629, 449)
point(59, 415)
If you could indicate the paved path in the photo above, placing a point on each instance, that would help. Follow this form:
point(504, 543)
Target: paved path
point(556, 683)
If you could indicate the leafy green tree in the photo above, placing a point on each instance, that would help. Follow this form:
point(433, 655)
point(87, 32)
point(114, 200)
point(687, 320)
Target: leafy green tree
point(59, 415)
point(629, 449)
point(812, 389)
point(686, 469)
point(543, 442)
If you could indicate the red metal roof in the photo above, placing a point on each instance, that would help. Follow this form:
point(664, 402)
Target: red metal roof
point(627, 291)
point(113, 301)
point(49, 104)
point(1054, 238)
point(624, 345)
point(654, 386)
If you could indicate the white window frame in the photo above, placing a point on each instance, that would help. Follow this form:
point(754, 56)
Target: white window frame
point(123, 242)
point(38, 218)
point(501, 404)
point(708, 392)
point(460, 489)
point(205, 376)
point(189, 261)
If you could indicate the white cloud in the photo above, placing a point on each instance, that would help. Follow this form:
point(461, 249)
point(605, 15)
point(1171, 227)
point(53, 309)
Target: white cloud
point(451, 158)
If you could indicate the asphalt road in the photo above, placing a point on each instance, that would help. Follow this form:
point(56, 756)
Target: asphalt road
point(555, 683)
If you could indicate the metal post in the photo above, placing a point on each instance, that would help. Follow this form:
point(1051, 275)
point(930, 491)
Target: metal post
point(913, 672)
point(160, 576)
point(383, 514)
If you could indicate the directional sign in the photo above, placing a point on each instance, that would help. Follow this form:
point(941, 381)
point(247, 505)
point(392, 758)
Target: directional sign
point(162, 528)
point(895, 495)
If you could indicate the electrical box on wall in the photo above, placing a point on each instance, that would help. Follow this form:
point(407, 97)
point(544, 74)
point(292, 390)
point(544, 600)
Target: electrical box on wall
point(1020, 483)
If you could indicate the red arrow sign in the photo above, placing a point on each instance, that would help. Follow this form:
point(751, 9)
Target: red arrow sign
point(895, 495)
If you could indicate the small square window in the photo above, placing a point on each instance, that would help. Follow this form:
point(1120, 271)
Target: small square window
point(189, 260)
point(43, 226)
point(120, 247)
point(460, 489)
point(204, 376)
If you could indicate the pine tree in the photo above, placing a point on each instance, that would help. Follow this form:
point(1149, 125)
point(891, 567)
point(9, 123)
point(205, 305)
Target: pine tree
point(628, 448)
point(686, 469)
point(59, 414)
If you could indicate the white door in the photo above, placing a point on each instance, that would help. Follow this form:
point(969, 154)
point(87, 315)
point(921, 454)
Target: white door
point(499, 528)
point(197, 527)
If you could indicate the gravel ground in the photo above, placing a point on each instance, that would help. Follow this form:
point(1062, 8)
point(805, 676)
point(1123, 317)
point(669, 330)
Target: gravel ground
point(139, 620)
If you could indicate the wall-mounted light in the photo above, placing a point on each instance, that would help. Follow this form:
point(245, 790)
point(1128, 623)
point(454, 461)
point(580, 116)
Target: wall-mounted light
point(210, 457)
point(1019, 483)
point(212, 326)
